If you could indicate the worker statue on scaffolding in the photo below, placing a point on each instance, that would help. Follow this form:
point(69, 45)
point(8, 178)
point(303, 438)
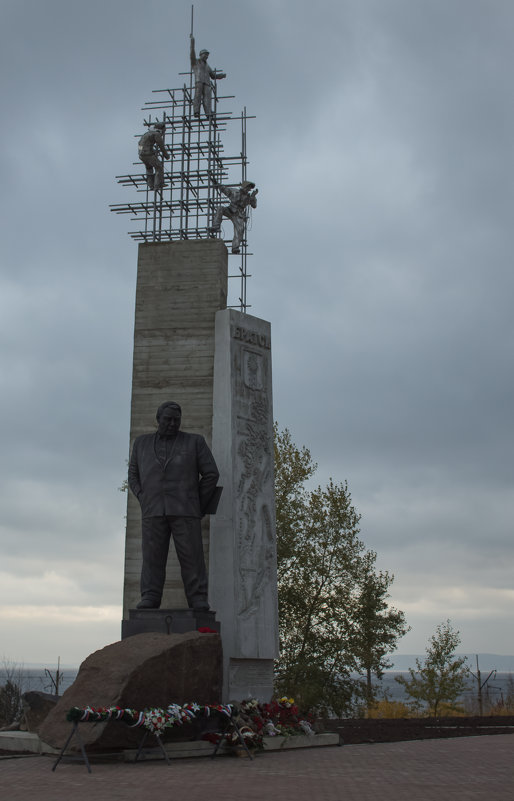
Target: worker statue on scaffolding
point(149, 146)
point(240, 199)
point(203, 75)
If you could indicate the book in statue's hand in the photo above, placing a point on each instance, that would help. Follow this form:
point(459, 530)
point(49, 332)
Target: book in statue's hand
point(212, 503)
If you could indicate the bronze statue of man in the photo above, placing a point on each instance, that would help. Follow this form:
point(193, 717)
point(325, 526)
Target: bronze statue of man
point(203, 74)
point(173, 475)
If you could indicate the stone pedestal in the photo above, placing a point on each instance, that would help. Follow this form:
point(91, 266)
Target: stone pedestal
point(167, 621)
point(180, 287)
point(242, 560)
point(140, 672)
point(216, 363)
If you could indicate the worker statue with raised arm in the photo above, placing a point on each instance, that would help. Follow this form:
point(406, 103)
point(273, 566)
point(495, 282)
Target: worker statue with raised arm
point(148, 148)
point(203, 75)
point(241, 197)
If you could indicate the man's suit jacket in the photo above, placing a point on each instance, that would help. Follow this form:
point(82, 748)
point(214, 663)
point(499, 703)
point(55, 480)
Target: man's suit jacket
point(173, 488)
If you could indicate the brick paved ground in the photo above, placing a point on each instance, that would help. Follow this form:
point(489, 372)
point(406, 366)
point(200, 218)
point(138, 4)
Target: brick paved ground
point(464, 769)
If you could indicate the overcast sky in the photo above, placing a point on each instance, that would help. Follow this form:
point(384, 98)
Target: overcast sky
point(383, 152)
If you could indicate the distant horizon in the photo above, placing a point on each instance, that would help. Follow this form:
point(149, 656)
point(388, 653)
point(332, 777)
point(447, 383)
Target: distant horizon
point(32, 676)
point(487, 661)
point(484, 658)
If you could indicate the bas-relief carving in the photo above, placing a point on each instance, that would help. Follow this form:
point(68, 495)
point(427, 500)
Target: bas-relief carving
point(256, 542)
point(253, 372)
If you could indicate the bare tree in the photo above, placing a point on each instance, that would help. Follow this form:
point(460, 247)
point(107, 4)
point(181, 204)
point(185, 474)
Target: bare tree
point(11, 690)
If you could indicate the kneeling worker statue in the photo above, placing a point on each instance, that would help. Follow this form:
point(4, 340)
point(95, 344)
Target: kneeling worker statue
point(174, 476)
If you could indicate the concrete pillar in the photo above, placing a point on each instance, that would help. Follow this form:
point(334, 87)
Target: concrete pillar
point(180, 287)
point(243, 571)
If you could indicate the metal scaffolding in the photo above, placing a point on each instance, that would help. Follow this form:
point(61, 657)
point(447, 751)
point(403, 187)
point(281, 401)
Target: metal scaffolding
point(184, 208)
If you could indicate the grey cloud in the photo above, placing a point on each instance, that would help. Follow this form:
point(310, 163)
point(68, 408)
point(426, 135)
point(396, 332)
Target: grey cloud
point(382, 240)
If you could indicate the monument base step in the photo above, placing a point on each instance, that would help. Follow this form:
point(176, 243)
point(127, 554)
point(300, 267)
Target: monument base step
point(30, 742)
point(167, 621)
point(17, 741)
point(203, 748)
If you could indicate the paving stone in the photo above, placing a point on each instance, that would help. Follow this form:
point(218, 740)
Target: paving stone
point(467, 769)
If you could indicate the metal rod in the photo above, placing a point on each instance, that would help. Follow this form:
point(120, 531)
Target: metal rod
point(184, 208)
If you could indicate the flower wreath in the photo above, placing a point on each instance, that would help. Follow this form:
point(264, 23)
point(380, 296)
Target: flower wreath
point(155, 719)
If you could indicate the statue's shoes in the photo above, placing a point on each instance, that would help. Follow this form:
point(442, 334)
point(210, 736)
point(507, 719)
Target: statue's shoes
point(147, 603)
point(201, 607)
